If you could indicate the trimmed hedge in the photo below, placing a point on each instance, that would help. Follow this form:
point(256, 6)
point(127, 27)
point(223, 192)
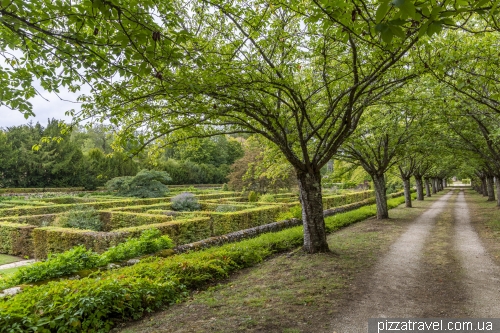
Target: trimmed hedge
point(39, 190)
point(16, 239)
point(134, 291)
point(115, 220)
point(55, 240)
point(180, 231)
point(108, 204)
point(37, 220)
point(223, 223)
point(79, 258)
point(345, 199)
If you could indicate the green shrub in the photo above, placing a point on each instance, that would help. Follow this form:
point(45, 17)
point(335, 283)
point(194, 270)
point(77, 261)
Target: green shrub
point(253, 196)
point(132, 291)
point(185, 202)
point(226, 208)
point(81, 217)
point(225, 187)
point(293, 212)
point(57, 265)
point(146, 184)
point(267, 198)
point(79, 258)
point(150, 241)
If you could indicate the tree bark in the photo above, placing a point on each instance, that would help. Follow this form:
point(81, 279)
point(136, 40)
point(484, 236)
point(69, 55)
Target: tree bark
point(420, 187)
point(445, 183)
point(407, 191)
point(434, 187)
point(484, 188)
point(427, 187)
point(312, 212)
point(491, 188)
point(380, 196)
point(497, 182)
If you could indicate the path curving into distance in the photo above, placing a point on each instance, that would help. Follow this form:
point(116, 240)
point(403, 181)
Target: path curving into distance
point(394, 278)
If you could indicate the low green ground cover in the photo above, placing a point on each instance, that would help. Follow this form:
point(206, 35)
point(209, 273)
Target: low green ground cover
point(6, 259)
point(95, 303)
point(79, 258)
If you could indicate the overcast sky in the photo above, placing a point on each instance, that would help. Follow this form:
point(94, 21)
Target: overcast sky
point(53, 108)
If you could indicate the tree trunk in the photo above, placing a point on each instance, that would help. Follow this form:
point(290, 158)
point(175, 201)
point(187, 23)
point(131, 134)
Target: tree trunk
point(434, 187)
point(491, 188)
point(420, 187)
point(380, 196)
point(407, 190)
point(497, 181)
point(445, 183)
point(484, 188)
point(312, 212)
point(427, 187)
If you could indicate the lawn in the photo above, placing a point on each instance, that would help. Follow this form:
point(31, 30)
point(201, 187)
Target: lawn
point(6, 259)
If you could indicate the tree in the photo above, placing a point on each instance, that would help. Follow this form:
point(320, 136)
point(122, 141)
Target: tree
point(146, 184)
point(377, 144)
point(298, 73)
point(261, 169)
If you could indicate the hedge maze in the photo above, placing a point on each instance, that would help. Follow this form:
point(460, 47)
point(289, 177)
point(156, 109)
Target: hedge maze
point(29, 225)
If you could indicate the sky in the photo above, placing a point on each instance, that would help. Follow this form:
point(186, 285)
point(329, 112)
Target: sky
point(53, 108)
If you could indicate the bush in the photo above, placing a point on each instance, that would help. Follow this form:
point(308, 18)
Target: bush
point(150, 241)
point(146, 184)
point(293, 212)
point(81, 217)
point(185, 202)
point(226, 209)
point(267, 198)
point(253, 196)
point(79, 258)
point(57, 265)
point(225, 187)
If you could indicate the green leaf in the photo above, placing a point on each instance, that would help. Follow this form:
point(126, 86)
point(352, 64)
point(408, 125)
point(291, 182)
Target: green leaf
point(408, 8)
point(434, 28)
point(481, 3)
point(382, 11)
point(387, 35)
point(397, 31)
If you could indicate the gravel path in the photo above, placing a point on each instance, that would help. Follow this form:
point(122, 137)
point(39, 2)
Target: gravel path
point(481, 274)
point(393, 283)
point(17, 264)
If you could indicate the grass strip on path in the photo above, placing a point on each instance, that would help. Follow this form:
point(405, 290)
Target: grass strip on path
point(485, 218)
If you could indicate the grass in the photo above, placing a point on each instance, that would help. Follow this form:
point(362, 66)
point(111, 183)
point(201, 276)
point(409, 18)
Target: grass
point(292, 292)
point(485, 217)
point(4, 273)
point(6, 259)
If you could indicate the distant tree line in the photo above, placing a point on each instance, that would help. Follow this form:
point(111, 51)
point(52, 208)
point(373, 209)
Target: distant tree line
point(84, 157)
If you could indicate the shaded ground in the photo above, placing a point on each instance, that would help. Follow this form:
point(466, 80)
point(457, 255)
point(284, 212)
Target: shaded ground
point(423, 262)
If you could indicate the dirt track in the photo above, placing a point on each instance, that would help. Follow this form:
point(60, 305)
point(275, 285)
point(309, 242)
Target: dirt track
point(433, 270)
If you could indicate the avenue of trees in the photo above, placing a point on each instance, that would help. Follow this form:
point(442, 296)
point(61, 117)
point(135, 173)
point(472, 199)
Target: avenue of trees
point(403, 86)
